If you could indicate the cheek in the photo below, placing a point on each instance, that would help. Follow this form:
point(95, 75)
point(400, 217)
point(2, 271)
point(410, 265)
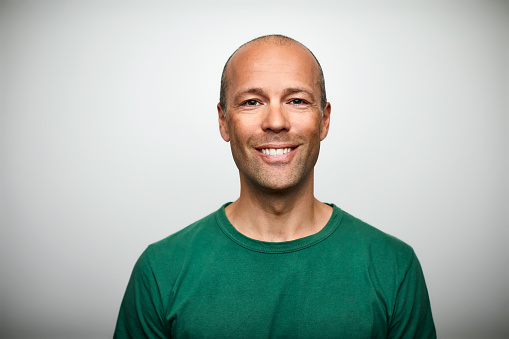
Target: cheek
point(238, 141)
point(236, 135)
point(241, 131)
point(310, 128)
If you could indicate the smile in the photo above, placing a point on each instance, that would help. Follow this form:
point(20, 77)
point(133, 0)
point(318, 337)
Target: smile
point(276, 151)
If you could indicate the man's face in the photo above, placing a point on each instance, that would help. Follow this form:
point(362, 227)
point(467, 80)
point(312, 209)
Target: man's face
point(273, 121)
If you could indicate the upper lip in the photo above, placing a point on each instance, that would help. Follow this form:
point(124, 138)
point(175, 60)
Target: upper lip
point(266, 146)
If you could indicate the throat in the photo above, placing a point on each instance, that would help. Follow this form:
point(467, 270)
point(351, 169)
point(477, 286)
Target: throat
point(278, 223)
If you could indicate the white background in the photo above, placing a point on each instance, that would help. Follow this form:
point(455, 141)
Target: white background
point(109, 142)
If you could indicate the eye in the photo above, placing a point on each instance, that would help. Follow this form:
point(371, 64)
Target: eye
point(298, 102)
point(250, 102)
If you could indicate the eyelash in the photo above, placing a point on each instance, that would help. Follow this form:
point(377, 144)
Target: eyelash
point(302, 101)
point(255, 102)
point(291, 101)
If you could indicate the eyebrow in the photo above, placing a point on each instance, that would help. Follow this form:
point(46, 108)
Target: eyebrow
point(256, 90)
point(298, 90)
point(261, 92)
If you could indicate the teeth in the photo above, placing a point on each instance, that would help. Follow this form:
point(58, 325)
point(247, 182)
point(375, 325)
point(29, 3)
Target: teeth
point(276, 151)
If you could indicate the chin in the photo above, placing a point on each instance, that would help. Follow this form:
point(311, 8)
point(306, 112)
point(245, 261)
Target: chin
point(274, 186)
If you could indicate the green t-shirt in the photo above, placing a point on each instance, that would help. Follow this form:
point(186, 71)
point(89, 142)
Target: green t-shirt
point(349, 280)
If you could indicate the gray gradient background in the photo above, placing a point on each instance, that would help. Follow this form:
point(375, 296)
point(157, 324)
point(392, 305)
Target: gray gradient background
point(109, 141)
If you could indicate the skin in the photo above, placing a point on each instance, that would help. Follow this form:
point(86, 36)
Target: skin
point(273, 101)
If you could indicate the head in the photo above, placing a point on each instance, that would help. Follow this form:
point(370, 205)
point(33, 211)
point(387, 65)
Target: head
point(278, 40)
point(272, 111)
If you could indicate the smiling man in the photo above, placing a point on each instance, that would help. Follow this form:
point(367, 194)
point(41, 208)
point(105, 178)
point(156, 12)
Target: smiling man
point(276, 262)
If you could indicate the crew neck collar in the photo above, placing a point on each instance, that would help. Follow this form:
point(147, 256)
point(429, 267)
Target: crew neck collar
point(278, 247)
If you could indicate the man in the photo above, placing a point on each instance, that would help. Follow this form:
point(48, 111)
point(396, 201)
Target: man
point(276, 262)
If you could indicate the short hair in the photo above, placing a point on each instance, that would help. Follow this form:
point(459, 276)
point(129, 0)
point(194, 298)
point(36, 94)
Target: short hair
point(280, 40)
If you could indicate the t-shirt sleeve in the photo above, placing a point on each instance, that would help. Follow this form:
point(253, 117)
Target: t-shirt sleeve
point(141, 312)
point(412, 316)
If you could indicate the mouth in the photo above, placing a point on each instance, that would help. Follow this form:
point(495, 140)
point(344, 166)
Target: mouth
point(275, 151)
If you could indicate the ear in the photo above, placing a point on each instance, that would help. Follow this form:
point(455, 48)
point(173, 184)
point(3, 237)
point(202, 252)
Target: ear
point(324, 129)
point(223, 125)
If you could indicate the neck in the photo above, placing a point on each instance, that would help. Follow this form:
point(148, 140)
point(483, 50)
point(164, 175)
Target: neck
point(278, 215)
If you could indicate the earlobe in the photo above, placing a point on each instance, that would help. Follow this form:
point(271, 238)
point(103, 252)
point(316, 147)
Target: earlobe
point(223, 125)
point(325, 121)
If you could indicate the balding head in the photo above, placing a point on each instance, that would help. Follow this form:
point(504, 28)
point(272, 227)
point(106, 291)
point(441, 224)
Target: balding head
point(278, 40)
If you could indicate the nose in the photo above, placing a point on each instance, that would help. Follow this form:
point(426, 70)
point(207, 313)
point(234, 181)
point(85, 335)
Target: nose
point(275, 119)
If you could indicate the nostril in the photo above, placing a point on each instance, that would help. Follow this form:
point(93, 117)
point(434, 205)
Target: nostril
point(275, 120)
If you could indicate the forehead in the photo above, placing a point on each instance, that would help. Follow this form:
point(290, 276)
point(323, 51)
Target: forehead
point(262, 64)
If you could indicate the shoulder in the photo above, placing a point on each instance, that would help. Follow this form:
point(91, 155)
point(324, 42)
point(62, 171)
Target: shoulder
point(163, 260)
point(389, 264)
point(370, 242)
point(159, 266)
point(178, 244)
